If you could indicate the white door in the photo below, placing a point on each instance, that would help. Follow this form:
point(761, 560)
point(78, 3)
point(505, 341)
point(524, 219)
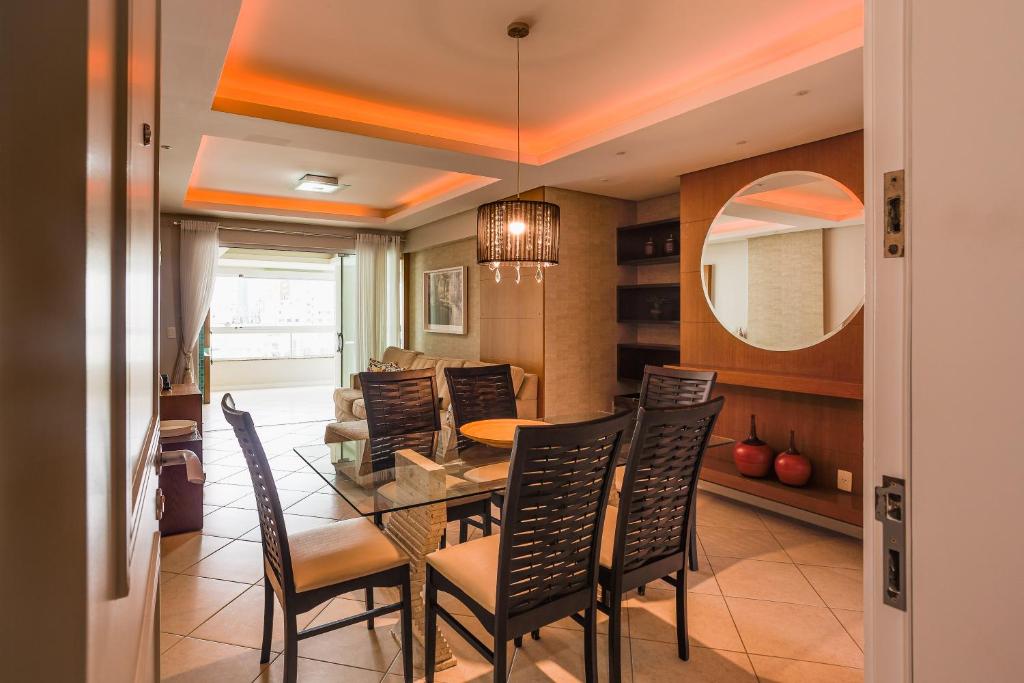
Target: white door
point(944, 364)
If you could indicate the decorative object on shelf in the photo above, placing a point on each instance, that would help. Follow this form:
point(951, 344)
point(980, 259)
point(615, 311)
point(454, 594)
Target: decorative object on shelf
point(517, 232)
point(649, 247)
point(791, 467)
point(670, 245)
point(752, 456)
point(656, 303)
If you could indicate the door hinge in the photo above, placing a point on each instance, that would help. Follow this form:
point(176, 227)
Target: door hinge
point(891, 511)
point(161, 501)
point(894, 222)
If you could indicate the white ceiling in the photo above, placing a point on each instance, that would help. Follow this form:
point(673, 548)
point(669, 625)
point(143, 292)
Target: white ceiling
point(398, 97)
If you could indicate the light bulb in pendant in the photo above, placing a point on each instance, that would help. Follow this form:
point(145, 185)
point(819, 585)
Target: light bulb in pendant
point(518, 277)
point(497, 275)
point(516, 228)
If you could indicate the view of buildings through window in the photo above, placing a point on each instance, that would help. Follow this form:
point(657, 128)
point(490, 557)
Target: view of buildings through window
point(278, 315)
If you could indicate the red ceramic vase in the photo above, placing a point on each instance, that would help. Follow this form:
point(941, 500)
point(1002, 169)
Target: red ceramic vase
point(792, 468)
point(752, 456)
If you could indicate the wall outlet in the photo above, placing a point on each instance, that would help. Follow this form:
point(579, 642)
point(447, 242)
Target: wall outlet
point(844, 481)
point(172, 333)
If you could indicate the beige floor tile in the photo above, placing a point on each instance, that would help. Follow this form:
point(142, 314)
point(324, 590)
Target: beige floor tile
point(794, 631)
point(327, 505)
point(287, 498)
point(775, 670)
point(222, 494)
point(763, 581)
point(782, 524)
point(659, 663)
point(653, 617)
point(237, 561)
point(293, 523)
point(354, 645)
point(301, 481)
point(230, 522)
point(241, 622)
point(602, 621)
point(216, 473)
point(314, 671)
point(822, 549)
point(744, 544)
point(471, 667)
point(715, 510)
point(558, 657)
point(168, 640)
point(838, 587)
point(181, 551)
point(202, 661)
point(853, 622)
point(187, 601)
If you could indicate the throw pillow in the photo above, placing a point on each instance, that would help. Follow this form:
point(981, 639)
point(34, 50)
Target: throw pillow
point(382, 366)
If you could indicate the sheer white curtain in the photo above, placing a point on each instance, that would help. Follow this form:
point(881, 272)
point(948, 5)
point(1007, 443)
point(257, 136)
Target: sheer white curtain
point(378, 291)
point(196, 271)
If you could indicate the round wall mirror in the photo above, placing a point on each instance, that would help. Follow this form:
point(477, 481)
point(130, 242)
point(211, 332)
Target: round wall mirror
point(783, 262)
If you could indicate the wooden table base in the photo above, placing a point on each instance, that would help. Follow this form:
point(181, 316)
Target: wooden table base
point(418, 531)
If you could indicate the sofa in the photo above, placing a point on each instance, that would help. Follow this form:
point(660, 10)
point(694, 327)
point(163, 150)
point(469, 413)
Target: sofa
point(351, 413)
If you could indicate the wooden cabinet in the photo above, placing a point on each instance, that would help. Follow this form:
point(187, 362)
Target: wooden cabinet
point(183, 507)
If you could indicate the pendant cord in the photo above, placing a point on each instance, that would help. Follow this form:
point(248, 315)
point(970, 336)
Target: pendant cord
point(518, 152)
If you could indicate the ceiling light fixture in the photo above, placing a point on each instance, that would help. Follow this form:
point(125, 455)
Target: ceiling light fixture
point(517, 232)
point(318, 183)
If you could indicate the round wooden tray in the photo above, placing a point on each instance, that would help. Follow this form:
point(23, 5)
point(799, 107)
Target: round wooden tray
point(176, 427)
point(497, 433)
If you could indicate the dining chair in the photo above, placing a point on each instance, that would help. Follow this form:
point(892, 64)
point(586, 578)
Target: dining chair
point(481, 393)
point(672, 388)
point(543, 565)
point(402, 412)
point(306, 569)
point(647, 537)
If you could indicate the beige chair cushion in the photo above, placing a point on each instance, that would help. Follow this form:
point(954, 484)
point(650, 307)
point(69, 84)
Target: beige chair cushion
point(611, 516)
point(390, 490)
point(620, 476)
point(492, 472)
point(340, 432)
point(340, 552)
point(399, 356)
point(472, 566)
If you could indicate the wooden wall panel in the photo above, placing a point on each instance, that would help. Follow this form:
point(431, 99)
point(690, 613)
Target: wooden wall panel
point(829, 428)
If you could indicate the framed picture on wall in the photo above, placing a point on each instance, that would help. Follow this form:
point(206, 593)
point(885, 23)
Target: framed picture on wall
point(444, 300)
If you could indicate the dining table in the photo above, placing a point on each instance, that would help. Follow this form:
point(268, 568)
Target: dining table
point(413, 489)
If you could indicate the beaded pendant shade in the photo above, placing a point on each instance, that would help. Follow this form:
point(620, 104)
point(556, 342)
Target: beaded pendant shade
point(517, 232)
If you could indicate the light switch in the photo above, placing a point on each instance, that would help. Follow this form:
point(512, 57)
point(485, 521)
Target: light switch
point(172, 333)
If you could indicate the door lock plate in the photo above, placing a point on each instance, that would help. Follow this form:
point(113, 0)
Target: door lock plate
point(891, 511)
point(894, 203)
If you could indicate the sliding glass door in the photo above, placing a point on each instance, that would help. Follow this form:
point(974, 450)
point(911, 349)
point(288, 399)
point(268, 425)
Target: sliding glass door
point(345, 329)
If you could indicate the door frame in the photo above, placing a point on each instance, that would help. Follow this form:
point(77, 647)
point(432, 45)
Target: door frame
point(887, 630)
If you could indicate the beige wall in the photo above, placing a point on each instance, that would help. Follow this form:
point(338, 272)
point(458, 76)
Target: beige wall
point(461, 253)
point(580, 332)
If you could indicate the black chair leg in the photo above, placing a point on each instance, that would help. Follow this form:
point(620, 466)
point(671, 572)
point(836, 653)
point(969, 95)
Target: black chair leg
point(642, 590)
point(590, 644)
point(369, 606)
point(407, 629)
point(518, 641)
point(615, 638)
point(378, 519)
point(693, 546)
point(291, 648)
point(535, 634)
point(463, 531)
point(444, 539)
point(268, 620)
point(429, 626)
point(500, 657)
point(682, 635)
point(487, 522)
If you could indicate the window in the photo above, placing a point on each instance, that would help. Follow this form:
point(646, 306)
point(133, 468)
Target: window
point(261, 314)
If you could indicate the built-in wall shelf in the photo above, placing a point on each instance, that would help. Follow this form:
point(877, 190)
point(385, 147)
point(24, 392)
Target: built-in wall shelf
point(633, 357)
point(631, 241)
point(650, 304)
point(719, 469)
point(816, 386)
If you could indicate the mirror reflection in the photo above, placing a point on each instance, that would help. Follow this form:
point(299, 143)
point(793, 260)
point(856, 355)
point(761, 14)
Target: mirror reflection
point(783, 262)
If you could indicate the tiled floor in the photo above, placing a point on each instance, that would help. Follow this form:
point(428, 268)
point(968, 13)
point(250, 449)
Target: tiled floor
point(774, 600)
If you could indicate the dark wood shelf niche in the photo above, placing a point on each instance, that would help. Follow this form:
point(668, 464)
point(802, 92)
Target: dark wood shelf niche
point(630, 242)
point(635, 305)
point(633, 357)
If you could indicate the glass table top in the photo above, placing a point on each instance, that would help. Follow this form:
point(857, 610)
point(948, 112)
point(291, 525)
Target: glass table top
point(375, 485)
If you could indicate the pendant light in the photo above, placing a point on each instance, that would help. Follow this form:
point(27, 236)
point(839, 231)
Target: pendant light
point(517, 232)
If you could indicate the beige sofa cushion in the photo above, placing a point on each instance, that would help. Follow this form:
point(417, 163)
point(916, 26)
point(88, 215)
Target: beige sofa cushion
point(340, 432)
point(343, 400)
point(359, 408)
point(400, 357)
